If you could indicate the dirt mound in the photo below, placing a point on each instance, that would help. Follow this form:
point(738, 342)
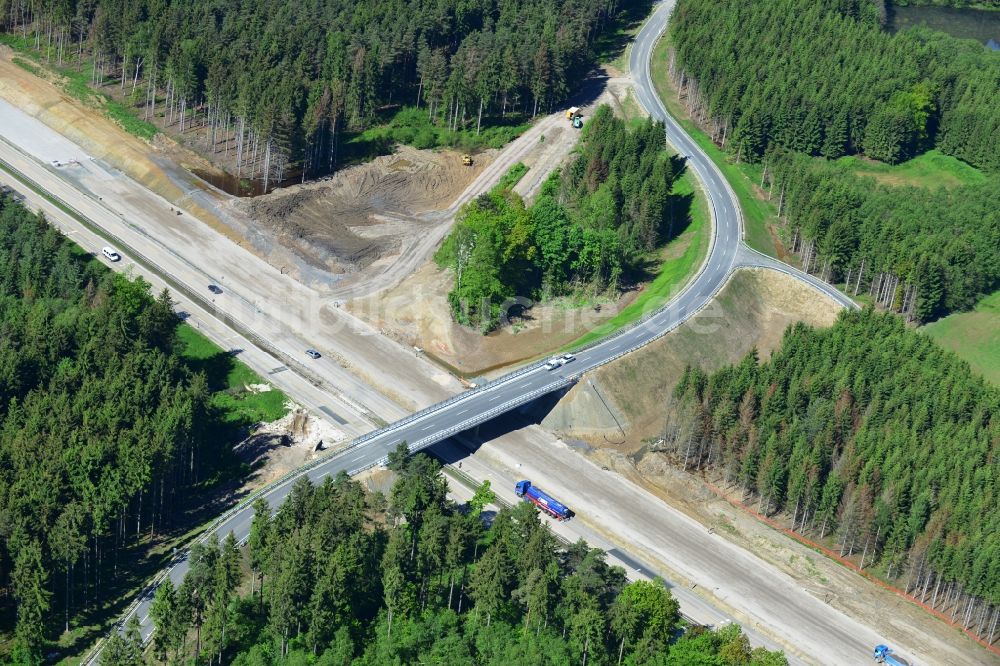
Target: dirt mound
point(280, 446)
point(416, 312)
point(752, 310)
point(366, 212)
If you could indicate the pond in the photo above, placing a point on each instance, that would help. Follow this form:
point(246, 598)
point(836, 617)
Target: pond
point(979, 24)
point(243, 187)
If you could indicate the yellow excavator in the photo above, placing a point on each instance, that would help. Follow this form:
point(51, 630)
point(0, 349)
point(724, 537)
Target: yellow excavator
point(467, 160)
point(573, 114)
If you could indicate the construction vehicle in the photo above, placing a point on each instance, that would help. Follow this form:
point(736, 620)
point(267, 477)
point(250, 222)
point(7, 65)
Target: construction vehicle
point(572, 112)
point(467, 160)
point(883, 654)
point(543, 501)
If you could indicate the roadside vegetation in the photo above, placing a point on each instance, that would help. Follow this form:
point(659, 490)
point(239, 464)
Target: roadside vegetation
point(74, 81)
point(238, 394)
point(412, 126)
point(593, 228)
point(679, 261)
point(759, 213)
point(869, 437)
point(116, 427)
point(340, 576)
point(285, 87)
point(918, 252)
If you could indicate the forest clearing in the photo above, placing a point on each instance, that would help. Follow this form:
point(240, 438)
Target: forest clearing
point(974, 336)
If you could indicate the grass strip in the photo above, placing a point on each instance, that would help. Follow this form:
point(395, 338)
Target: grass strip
point(974, 336)
point(757, 213)
point(673, 273)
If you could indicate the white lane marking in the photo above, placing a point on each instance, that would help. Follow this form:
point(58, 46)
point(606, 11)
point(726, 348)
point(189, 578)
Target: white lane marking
point(427, 428)
point(461, 412)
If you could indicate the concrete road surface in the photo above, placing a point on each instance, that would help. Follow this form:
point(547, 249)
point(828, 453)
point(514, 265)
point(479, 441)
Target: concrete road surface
point(291, 317)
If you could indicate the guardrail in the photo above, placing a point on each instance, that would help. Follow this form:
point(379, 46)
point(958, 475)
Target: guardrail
point(300, 369)
point(766, 261)
point(473, 421)
point(295, 474)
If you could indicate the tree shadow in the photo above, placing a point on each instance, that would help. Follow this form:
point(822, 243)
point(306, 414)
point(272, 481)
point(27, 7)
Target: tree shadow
point(677, 220)
point(679, 207)
point(611, 45)
point(124, 579)
point(216, 368)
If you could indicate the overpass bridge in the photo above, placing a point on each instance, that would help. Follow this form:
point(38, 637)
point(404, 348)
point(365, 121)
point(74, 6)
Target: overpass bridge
point(462, 412)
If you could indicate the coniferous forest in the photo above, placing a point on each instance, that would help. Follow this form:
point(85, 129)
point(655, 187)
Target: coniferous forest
point(824, 78)
point(871, 435)
point(105, 433)
point(338, 576)
point(280, 82)
point(920, 252)
point(775, 81)
point(951, 3)
point(590, 227)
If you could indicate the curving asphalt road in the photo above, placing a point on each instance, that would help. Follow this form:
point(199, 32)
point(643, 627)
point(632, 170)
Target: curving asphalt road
point(438, 422)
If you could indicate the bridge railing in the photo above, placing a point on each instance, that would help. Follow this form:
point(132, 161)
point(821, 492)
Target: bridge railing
point(473, 421)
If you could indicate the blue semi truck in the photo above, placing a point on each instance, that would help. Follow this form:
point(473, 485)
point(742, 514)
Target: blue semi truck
point(543, 501)
point(883, 654)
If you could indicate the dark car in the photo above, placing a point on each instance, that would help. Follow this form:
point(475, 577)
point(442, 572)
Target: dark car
point(312, 353)
point(215, 289)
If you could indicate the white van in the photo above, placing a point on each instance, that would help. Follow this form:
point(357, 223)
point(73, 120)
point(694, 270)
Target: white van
point(111, 253)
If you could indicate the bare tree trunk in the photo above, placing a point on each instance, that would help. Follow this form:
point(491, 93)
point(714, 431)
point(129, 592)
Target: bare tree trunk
point(135, 79)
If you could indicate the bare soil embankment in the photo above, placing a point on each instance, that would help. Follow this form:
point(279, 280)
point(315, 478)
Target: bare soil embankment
point(752, 310)
point(417, 313)
point(365, 214)
point(156, 165)
point(415, 310)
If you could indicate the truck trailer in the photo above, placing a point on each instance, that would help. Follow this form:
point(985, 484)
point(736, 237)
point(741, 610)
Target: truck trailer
point(883, 654)
point(543, 501)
